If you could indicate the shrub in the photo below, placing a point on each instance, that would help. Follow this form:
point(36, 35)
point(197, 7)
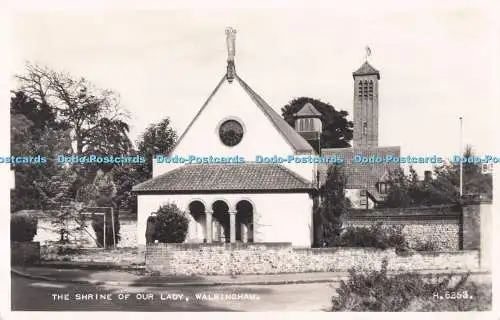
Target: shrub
point(425, 246)
point(376, 291)
point(171, 224)
point(23, 227)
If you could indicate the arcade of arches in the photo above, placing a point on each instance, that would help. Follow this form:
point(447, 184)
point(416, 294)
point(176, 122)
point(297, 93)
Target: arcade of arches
point(220, 223)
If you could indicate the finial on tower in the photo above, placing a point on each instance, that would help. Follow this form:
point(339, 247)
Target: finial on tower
point(231, 50)
point(368, 53)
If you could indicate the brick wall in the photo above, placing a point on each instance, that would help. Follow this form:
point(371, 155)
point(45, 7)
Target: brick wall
point(272, 258)
point(23, 253)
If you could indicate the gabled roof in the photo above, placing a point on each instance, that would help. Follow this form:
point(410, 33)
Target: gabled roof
point(294, 139)
point(365, 70)
point(308, 110)
point(227, 178)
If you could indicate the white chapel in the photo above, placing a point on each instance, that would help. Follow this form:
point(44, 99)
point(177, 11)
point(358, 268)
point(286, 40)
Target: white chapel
point(243, 201)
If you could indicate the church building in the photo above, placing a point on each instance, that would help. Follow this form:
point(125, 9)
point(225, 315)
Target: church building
point(235, 198)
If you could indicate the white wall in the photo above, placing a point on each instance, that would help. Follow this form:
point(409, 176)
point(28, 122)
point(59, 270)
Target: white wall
point(354, 195)
point(277, 217)
point(260, 136)
point(486, 211)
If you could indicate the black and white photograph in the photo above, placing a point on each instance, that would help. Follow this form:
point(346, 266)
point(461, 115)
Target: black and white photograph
point(250, 158)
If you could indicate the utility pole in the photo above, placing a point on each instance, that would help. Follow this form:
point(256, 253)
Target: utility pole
point(461, 162)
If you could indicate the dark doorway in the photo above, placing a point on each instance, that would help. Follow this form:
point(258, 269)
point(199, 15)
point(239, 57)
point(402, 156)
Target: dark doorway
point(220, 222)
point(244, 221)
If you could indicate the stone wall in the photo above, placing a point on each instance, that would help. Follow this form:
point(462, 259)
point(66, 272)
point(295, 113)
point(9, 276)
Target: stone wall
point(122, 257)
point(23, 253)
point(273, 258)
point(438, 225)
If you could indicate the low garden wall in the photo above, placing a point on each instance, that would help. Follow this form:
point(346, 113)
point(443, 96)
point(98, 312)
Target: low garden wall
point(114, 257)
point(24, 253)
point(273, 258)
point(441, 225)
point(47, 232)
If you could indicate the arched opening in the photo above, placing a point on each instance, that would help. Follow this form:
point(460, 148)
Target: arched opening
point(244, 221)
point(220, 222)
point(197, 227)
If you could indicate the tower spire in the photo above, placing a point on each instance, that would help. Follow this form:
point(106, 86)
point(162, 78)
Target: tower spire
point(231, 50)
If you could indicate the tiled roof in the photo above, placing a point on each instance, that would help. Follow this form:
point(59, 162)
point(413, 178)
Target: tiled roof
point(366, 69)
point(226, 178)
point(360, 176)
point(308, 110)
point(298, 143)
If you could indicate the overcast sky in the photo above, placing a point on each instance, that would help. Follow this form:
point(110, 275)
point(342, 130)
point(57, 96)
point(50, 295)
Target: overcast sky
point(436, 62)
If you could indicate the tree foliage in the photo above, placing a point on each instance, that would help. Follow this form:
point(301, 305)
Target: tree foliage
point(333, 206)
point(34, 131)
point(54, 113)
point(158, 138)
point(94, 116)
point(337, 130)
point(23, 227)
point(407, 191)
point(101, 194)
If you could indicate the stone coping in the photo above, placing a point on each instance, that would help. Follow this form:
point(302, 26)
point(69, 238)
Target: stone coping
point(410, 212)
point(236, 245)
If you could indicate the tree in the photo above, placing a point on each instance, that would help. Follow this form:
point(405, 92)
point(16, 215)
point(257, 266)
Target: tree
point(337, 130)
point(334, 205)
point(171, 224)
point(158, 138)
point(125, 177)
point(94, 116)
point(101, 193)
point(444, 189)
point(474, 181)
point(105, 194)
point(400, 186)
point(34, 131)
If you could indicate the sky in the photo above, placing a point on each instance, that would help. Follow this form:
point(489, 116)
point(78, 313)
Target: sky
point(435, 62)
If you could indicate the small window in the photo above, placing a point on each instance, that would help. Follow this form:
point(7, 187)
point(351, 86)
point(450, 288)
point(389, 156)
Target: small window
point(382, 187)
point(301, 124)
point(365, 128)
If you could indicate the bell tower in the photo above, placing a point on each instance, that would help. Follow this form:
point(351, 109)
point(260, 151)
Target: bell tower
point(366, 80)
point(308, 124)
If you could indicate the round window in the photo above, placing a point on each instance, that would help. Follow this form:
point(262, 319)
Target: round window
point(231, 133)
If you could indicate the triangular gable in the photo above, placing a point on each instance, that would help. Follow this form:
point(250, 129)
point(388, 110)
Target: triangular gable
point(298, 144)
